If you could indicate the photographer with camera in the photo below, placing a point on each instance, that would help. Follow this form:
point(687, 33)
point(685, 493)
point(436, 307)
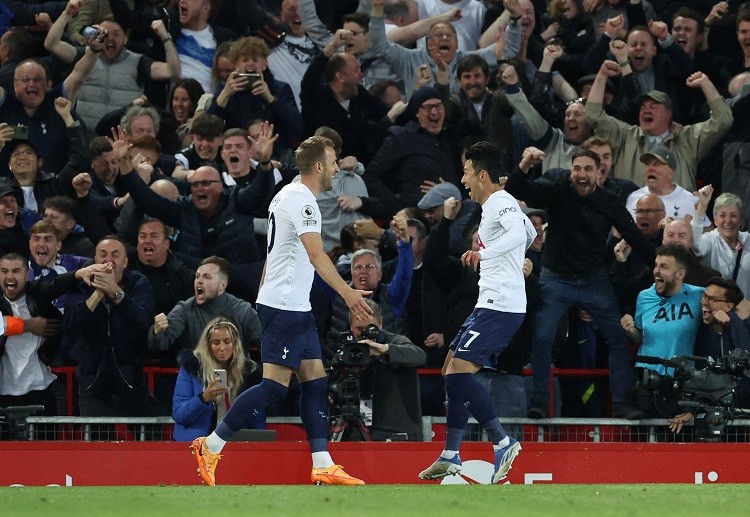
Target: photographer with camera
point(667, 316)
point(722, 331)
point(396, 408)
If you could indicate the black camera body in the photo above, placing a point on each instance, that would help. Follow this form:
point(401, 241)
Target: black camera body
point(707, 390)
point(349, 352)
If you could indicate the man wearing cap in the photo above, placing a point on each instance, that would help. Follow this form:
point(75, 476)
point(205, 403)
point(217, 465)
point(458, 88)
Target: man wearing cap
point(659, 172)
point(432, 204)
point(656, 127)
point(411, 162)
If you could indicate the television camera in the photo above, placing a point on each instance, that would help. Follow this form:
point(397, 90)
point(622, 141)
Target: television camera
point(708, 392)
point(349, 359)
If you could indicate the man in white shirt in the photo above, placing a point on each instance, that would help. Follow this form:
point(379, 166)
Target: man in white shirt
point(290, 342)
point(504, 234)
point(659, 172)
point(198, 41)
point(25, 375)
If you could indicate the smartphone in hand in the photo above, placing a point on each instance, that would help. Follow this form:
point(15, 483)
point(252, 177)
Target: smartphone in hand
point(221, 376)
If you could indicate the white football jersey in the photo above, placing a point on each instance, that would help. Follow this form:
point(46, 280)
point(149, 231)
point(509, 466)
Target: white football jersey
point(505, 233)
point(289, 273)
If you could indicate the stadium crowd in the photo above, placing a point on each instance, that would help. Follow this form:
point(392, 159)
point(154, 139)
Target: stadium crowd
point(148, 138)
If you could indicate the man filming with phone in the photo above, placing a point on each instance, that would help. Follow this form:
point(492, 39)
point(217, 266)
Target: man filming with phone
point(251, 92)
point(396, 408)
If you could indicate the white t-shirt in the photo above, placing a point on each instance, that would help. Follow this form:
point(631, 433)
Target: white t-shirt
point(289, 61)
point(196, 51)
point(505, 234)
point(22, 370)
point(677, 204)
point(289, 273)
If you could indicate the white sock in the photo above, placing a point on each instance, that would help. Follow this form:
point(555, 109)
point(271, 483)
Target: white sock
point(502, 443)
point(214, 444)
point(322, 460)
point(448, 455)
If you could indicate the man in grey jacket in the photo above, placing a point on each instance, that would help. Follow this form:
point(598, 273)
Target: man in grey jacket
point(441, 51)
point(189, 317)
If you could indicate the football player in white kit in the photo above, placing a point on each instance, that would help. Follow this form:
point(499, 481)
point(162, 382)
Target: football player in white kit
point(290, 343)
point(505, 234)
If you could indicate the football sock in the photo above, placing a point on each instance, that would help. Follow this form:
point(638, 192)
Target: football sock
point(456, 417)
point(314, 412)
point(464, 389)
point(247, 406)
point(321, 460)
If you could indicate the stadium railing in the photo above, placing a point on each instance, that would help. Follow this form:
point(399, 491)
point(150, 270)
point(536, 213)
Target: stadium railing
point(289, 429)
point(152, 371)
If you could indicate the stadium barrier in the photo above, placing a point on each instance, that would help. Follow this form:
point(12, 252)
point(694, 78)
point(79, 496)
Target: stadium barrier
point(68, 372)
point(277, 463)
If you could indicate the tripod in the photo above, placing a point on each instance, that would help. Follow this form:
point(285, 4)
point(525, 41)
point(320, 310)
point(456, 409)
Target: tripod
point(346, 422)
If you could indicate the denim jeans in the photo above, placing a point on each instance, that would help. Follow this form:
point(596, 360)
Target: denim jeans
point(509, 395)
point(595, 295)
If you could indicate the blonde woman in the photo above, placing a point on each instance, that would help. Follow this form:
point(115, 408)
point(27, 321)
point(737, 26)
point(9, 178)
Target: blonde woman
point(199, 401)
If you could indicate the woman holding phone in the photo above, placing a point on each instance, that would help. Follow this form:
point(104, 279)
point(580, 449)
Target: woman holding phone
point(210, 379)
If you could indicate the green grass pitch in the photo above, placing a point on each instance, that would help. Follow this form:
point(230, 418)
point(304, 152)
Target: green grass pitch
point(380, 500)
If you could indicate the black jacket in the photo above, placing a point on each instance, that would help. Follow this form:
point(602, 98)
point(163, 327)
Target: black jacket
point(39, 297)
point(406, 160)
point(579, 226)
point(362, 128)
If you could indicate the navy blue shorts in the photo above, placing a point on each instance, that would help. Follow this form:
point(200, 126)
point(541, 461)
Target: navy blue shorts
point(288, 337)
point(484, 335)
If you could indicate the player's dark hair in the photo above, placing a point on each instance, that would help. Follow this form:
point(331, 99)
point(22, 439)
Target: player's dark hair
point(485, 156)
point(734, 294)
point(681, 254)
point(220, 262)
point(586, 153)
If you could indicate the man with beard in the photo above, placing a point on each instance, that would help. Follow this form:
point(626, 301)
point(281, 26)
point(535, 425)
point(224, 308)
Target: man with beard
point(580, 216)
point(290, 341)
point(25, 377)
point(667, 316)
point(189, 317)
point(119, 74)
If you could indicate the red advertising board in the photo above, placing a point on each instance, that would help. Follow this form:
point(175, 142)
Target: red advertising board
point(154, 463)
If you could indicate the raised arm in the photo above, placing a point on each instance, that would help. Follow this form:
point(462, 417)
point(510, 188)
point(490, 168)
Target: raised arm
point(81, 70)
point(53, 41)
point(314, 27)
point(419, 29)
point(170, 69)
